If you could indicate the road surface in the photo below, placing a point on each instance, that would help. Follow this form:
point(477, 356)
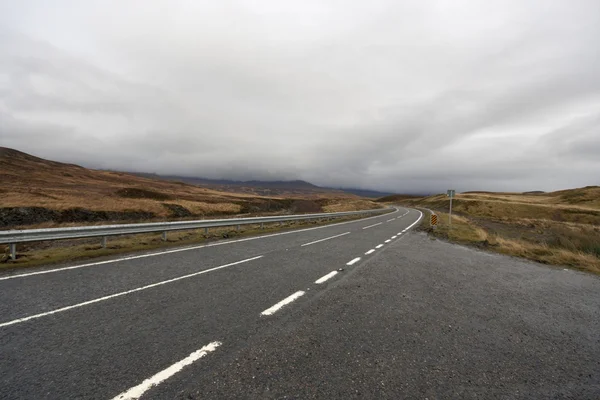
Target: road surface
point(361, 309)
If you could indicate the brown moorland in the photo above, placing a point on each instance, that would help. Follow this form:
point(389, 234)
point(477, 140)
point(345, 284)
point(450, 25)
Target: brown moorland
point(561, 228)
point(43, 193)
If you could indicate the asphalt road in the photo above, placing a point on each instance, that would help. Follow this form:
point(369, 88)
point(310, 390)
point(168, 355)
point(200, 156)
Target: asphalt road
point(316, 313)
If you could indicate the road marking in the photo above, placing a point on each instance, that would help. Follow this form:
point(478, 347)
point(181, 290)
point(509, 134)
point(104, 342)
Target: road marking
point(387, 241)
point(326, 277)
point(370, 226)
point(416, 222)
point(400, 233)
point(85, 303)
point(370, 252)
point(287, 300)
point(379, 246)
point(394, 237)
point(187, 248)
point(137, 391)
point(352, 262)
point(390, 220)
point(322, 240)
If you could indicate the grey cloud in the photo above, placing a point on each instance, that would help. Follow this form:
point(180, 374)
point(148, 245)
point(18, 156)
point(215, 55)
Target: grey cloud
point(405, 96)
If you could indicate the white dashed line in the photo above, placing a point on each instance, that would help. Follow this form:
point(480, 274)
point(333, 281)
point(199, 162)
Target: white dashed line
point(379, 246)
point(136, 392)
point(394, 237)
point(370, 226)
point(370, 252)
point(390, 220)
point(352, 262)
point(387, 241)
point(326, 277)
point(322, 240)
point(287, 300)
point(85, 303)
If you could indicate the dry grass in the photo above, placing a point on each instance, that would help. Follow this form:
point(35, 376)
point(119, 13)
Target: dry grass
point(203, 208)
point(340, 205)
point(548, 254)
point(461, 230)
point(574, 245)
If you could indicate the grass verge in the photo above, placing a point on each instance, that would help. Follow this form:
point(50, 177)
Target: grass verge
point(466, 231)
point(47, 253)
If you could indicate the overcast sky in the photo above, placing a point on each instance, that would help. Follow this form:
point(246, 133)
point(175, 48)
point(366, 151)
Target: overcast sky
point(403, 96)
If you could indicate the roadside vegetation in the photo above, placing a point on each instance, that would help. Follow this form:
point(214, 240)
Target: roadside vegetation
point(52, 252)
point(559, 228)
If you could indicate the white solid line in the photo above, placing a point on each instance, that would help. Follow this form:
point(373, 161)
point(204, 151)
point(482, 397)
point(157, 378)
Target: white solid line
point(85, 303)
point(326, 277)
point(188, 248)
point(370, 252)
point(379, 246)
point(357, 259)
point(387, 241)
point(137, 391)
point(417, 221)
point(370, 226)
point(390, 220)
point(287, 300)
point(322, 240)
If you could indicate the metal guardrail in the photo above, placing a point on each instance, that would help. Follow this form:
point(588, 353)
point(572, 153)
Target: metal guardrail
point(13, 237)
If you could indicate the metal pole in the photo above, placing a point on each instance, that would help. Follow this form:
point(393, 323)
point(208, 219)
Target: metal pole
point(238, 228)
point(164, 236)
point(262, 225)
point(206, 231)
point(13, 251)
point(103, 242)
point(450, 215)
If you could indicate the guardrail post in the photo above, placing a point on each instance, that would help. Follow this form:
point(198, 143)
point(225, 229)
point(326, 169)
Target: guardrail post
point(164, 236)
point(13, 251)
point(103, 233)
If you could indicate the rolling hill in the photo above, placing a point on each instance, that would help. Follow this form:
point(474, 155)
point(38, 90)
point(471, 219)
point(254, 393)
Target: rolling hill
point(37, 191)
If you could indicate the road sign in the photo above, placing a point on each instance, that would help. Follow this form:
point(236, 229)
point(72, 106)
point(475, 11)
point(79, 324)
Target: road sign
point(433, 220)
point(450, 193)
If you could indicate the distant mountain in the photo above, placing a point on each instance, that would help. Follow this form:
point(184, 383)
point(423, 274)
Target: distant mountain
point(267, 187)
point(256, 187)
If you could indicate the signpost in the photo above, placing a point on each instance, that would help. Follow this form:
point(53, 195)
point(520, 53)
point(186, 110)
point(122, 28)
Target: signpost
point(450, 194)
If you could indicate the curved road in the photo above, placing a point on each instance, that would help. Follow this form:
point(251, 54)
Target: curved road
point(361, 309)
